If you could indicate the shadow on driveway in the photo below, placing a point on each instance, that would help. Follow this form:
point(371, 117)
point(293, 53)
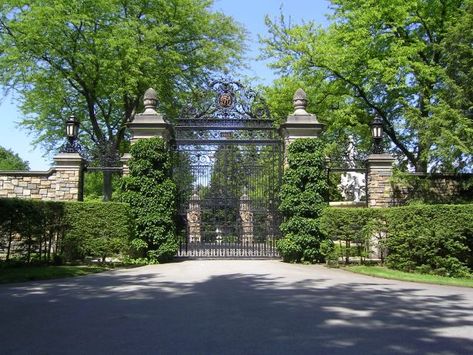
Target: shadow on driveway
point(236, 313)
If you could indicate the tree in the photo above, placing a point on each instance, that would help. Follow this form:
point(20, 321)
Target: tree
point(388, 58)
point(11, 161)
point(227, 181)
point(95, 59)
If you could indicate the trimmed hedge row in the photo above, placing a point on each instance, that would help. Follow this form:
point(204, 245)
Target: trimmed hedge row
point(50, 231)
point(424, 238)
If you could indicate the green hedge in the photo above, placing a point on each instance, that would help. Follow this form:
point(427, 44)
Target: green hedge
point(46, 231)
point(425, 238)
point(96, 229)
point(351, 231)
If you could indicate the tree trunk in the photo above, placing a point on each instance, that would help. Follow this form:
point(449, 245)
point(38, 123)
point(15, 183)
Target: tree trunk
point(107, 186)
point(10, 237)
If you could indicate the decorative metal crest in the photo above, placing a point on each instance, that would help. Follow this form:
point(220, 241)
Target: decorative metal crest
point(226, 99)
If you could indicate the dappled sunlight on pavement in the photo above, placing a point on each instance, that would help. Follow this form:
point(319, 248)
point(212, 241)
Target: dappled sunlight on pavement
point(234, 307)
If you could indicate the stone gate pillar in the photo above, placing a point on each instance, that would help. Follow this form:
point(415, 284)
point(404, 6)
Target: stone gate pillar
point(68, 176)
point(300, 124)
point(380, 170)
point(148, 124)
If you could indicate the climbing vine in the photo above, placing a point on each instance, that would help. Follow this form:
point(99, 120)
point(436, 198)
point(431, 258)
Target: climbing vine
point(151, 194)
point(303, 192)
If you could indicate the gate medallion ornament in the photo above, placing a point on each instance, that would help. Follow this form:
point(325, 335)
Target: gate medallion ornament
point(225, 100)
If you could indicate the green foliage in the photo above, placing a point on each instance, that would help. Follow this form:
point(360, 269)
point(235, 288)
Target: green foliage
point(432, 188)
point(11, 161)
point(302, 195)
point(94, 184)
point(437, 239)
point(49, 231)
point(409, 62)
point(13, 273)
point(95, 59)
point(96, 229)
point(351, 230)
point(431, 239)
point(152, 196)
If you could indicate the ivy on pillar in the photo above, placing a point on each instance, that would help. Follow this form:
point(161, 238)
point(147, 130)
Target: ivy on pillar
point(300, 124)
point(148, 124)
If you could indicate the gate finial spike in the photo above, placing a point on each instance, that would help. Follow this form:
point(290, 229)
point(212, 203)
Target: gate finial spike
point(300, 102)
point(150, 101)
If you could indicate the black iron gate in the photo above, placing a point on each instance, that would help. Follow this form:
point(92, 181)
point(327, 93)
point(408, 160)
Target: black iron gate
point(228, 170)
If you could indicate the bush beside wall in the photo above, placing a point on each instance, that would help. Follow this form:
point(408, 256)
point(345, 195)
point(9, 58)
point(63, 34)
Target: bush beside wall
point(350, 230)
point(96, 229)
point(49, 231)
point(425, 238)
point(437, 239)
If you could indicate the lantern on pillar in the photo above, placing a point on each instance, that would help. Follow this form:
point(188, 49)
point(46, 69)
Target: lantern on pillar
point(72, 131)
point(377, 135)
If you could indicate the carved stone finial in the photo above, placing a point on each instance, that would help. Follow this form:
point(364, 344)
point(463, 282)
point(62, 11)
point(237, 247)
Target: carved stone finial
point(300, 102)
point(150, 101)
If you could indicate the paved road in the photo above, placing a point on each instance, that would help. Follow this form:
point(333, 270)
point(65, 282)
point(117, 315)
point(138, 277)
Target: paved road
point(234, 307)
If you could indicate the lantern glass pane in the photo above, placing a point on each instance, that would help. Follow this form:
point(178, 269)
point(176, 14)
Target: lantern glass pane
point(70, 129)
point(377, 132)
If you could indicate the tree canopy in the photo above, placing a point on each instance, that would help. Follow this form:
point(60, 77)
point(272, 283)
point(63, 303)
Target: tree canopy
point(408, 62)
point(95, 59)
point(11, 161)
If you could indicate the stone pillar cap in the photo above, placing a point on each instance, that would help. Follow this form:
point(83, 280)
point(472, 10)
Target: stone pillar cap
point(150, 116)
point(299, 101)
point(150, 101)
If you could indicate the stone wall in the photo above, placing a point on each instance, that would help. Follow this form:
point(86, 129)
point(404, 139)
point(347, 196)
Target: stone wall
point(51, 185)
point(433, 188)
point(64, 182)
point(39, 185)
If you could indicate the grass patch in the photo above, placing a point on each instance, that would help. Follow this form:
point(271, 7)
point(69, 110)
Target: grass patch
point(30, 273)
point(379, 271)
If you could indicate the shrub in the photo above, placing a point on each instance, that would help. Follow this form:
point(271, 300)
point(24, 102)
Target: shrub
point(50, 231)
point(424, 238)
point(439, 238)
point(152, 196)
point(96, 229)
point(352, 230)
point(302, 201)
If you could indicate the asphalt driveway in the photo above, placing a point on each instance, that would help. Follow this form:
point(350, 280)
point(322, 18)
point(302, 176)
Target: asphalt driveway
point(234, 307)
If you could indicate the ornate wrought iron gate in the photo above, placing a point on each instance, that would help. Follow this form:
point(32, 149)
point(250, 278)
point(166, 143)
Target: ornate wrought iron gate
point(228, 170)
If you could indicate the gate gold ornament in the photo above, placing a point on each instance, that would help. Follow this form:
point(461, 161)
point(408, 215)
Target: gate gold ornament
point(225, 100)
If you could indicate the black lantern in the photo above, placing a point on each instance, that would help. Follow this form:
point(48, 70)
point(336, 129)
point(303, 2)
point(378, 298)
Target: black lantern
point(72, 128)
point(377, 134)
point(72, 131)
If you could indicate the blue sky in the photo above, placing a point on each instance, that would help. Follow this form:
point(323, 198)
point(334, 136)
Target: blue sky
point(250, 13)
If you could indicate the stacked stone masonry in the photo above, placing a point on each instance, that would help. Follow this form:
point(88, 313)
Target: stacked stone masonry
point(52, 185)
point(379, 180)
point(379, 189)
